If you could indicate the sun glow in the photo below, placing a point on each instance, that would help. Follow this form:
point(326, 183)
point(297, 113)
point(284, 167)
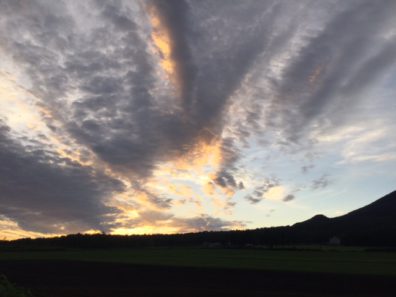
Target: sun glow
point(189, 179)
point(200, 164)
point(142, 230)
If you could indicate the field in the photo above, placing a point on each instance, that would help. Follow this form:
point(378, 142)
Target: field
point(201, 272)
point(347, 262)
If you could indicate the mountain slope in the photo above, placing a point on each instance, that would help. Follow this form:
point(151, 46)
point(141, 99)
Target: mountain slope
point(381, 209)
point(374, 224)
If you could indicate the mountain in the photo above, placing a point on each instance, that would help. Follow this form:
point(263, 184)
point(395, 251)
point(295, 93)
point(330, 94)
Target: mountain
point(381, 211)
point(374, 224)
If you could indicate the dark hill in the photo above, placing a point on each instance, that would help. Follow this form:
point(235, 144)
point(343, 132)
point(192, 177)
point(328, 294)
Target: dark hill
point(315, 220)
point(374, 224)
point(384, 209)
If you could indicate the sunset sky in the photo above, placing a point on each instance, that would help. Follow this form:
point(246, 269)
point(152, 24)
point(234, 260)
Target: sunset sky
point(131, 117)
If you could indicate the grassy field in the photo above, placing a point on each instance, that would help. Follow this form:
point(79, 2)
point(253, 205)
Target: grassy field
point(340, 262)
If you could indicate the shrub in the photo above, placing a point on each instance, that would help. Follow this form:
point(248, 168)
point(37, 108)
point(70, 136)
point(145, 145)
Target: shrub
point(8, 289)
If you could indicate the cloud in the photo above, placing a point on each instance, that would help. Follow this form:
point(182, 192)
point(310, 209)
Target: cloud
point(135, 95)
point(332, 69)
point(288, 198)
point(365, 141)
point(260, 192)
point(307, 168)
point(206, 223)
point(321, 182)
point(168, 221)
point(43, 192)
point(120, 108)
point(253, 199)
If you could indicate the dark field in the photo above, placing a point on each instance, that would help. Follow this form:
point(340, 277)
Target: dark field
point(201, 272)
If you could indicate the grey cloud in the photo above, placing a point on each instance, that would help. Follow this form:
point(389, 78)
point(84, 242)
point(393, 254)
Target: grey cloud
point(289, 197)
point(212, 57)
point(270, 212)
point(205, 223)
point(258, 193)
point(229, 167)
point(335, 66)
point(153, 217)
point(45, 193)
point(117, 114)
point(253, 199)
point(307, 168)
point(225, 179)
point(120, 118)
point(159, 201)
point(192, 224)
point(320, 183)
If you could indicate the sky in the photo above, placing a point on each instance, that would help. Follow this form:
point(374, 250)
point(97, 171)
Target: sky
point(137, 117)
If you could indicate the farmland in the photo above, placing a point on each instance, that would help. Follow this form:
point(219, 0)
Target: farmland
point(333, 261)
point(178, 271)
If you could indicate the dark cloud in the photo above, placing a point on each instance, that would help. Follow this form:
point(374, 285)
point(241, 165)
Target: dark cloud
point(307, 168)
point(192, 224)
point(321, 182)
point(43, 192)
point(159, 201)
point(151, 218)
point(258, 193)
point(253, 199)
point(289, 197)
point(205, 223)
point(212, 56)
point(225, 180)
point(229, 167)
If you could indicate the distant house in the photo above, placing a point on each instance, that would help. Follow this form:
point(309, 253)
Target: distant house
point(335, 240)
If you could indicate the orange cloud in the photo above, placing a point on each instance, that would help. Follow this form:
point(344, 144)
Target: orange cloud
point(163, 46)
point(198, 168)
point(10, 230)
